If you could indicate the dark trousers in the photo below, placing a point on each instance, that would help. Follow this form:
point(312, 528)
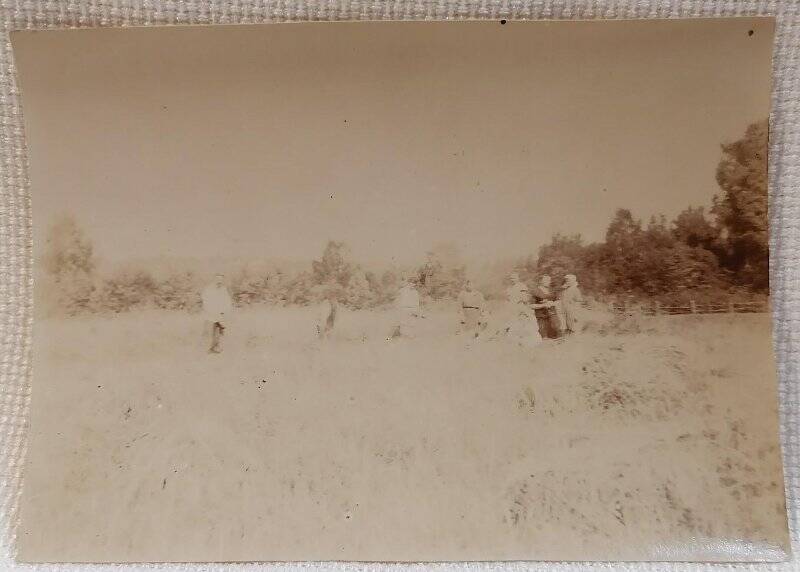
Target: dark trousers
point(217, 331)
point(548, 325)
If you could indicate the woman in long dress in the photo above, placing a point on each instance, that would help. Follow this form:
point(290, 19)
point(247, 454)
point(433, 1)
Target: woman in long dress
point(571, 299)
point(521, 326)
point(544, 305)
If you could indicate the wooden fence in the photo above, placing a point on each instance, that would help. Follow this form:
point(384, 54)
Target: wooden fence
point(655, 308)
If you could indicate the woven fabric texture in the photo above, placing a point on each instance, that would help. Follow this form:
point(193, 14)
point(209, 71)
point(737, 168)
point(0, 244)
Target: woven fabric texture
point(16, 282)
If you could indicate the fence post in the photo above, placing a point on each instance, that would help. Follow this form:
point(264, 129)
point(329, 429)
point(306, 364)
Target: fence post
point(657, 308)
point(693, 307)
point(731, 308)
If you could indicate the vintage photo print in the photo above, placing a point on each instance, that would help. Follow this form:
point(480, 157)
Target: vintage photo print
point(401, 292)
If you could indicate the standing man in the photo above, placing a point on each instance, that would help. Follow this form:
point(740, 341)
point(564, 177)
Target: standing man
point(217, 308)
point(472, 306)
point(544, 305)
point(408, 308)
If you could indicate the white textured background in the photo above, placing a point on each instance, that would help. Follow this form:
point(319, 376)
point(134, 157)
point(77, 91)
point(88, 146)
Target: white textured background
point(16, 281)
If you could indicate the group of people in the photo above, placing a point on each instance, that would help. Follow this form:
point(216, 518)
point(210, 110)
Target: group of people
point(542, 313)
point(533, 314)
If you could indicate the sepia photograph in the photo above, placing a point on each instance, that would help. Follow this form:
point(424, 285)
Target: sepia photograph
point(299, 297)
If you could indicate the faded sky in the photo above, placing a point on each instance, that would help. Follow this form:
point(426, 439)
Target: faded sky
point(253, 142)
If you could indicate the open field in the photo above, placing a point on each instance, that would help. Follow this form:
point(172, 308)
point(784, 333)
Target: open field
point(626, 437)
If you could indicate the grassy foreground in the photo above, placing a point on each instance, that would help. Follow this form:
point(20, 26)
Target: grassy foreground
point(648, 438)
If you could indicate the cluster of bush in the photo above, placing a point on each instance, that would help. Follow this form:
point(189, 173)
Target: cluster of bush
point(715, 257)
point(73, 284)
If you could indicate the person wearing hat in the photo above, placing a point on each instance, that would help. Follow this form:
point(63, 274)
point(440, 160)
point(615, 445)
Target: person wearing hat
point(571, 299)
point(217, 308)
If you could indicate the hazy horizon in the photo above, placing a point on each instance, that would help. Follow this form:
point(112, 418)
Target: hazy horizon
point(264, 142)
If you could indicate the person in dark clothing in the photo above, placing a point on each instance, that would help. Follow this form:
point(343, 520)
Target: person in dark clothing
point(544, 306)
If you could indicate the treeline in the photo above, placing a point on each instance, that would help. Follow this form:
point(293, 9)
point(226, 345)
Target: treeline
point(73, 284)
point(719, 255)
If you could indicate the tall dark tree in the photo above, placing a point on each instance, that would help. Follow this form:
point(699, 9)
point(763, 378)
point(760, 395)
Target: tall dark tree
point(658, 233)
point(741, 208)
point(623, 257)
point(623, 231)
point(692, 228)
point(563, 255)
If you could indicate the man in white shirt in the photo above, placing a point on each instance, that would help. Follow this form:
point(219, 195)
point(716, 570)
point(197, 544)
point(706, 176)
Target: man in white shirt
point(408, 308)
point(217, 308)
point(471, 303)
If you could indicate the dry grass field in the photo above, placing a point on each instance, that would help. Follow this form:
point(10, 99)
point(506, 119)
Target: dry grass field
point(642, 438)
